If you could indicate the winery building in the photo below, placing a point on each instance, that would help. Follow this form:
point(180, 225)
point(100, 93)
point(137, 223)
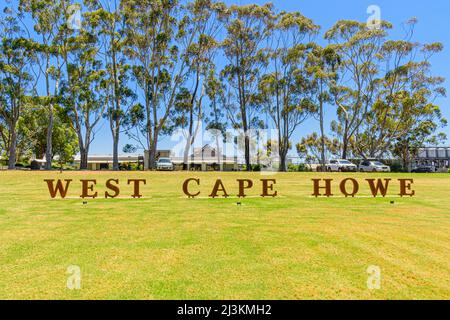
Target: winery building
point(438, 157)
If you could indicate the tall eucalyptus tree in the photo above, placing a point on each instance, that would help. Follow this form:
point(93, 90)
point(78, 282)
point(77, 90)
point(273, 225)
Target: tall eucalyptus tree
point(16, 57)
point(245, 47)
point(48, 17)
point(286, 90)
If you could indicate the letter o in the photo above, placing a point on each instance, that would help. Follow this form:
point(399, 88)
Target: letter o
point(343, 188)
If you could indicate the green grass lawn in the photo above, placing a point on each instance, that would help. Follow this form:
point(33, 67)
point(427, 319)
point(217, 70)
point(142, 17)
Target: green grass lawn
point(166, 246)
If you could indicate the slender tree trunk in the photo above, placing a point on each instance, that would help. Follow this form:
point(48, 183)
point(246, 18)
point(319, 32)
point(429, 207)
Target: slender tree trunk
point(12, 149)
point(152, 157)
point(322, 139)
point(408, 160)
point(191, 136)
point(243, 106)
point(149, 128)
point(283, 159)
point(405, 160)
point(115, 121)
point(187, 149)
point(344, 150)
point(84, 150)
point(83, 158)
point(49, 148)
point(116, 151)
point(345, 143)
point(189, 141)
point(51, 120)
point(153, 150)
point(246, 142)
point(219, 161)
point(258, 151)
point(247, 152)
point(282, 167)
point(220, 154)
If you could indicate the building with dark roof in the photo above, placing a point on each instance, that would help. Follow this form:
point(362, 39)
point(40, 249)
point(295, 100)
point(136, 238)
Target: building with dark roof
point(438, 157)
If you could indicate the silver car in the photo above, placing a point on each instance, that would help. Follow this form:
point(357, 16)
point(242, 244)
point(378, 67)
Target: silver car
point(341, 165)
point(164, 164)
point(373, 166)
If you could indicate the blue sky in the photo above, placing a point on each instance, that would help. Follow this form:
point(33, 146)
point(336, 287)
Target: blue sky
point(433, 26)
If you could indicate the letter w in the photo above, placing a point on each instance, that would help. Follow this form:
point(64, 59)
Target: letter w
point(380, 187)
point(59, 188)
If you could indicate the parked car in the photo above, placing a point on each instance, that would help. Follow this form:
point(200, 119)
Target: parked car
point(164, 164)
point(373, 166)
point(341, 165)
point(423, 169)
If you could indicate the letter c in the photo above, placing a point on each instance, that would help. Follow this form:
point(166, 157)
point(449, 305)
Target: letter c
point(186, 190)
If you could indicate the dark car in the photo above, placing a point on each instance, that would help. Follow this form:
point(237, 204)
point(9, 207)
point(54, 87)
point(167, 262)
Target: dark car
point(423, 169)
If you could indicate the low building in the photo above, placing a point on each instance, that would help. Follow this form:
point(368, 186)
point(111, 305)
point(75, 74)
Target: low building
point(105, 162)
point(438, 157)
point(159, 154)
point(206, 158)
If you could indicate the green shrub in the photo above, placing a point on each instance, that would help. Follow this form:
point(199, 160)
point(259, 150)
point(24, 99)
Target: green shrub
point(134, 167)
point(303, 168)
point(256, 167)
point(396, 167)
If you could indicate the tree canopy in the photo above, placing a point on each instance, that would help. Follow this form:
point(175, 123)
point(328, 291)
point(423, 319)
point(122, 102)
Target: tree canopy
point(147, 68)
